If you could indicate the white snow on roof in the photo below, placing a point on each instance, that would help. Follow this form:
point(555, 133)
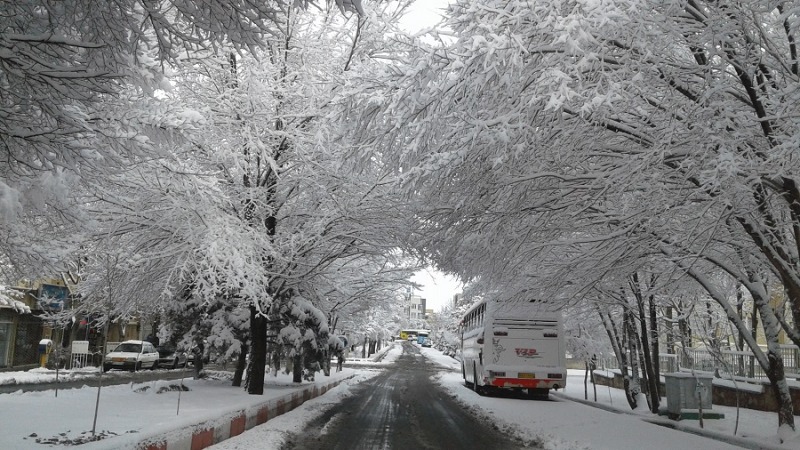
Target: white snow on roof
point(7, 301)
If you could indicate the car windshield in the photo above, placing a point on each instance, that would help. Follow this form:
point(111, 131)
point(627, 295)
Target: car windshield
point(129, 348)
point(165, 351)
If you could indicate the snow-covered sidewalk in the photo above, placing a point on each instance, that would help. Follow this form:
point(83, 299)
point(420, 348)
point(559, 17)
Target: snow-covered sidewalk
point(129, 413)
point(570, 422)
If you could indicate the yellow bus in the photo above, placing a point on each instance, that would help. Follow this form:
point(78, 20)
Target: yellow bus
point(413, 335)
point(405, 334)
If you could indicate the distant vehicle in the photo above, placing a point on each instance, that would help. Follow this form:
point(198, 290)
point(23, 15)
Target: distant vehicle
point(514, 344)
point(422, 335)
point(412, 334)
point(406, 335)
point(426, 342)
point(170, 357)
point(132, 355)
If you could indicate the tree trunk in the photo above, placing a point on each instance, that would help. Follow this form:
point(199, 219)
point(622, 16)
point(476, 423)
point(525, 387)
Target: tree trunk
point(326, 363)
point(593, 367)
point(775, 371)
point(754, 335)
point(258, 355)
point(780, 388)
point(241, 364)
point(632, 382)
point(654, 343)
point(740, 337)
point(276, 359)
point(650, 374)
point(620, 351)
point(586, 381)
point(670, 331)
point(297, 367)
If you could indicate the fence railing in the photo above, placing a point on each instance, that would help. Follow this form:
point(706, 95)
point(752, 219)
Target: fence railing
point(741, 364)
point(79, 355)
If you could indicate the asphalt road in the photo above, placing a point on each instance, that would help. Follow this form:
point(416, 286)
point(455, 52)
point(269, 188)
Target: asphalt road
point(401, 409)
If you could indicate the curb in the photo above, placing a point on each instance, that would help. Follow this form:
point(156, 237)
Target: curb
point(214, 431)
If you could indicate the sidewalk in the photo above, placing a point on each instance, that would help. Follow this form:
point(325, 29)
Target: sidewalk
point(155, 415)
point(570, 422)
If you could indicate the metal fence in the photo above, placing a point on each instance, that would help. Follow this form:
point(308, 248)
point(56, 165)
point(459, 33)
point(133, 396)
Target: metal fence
point(725, 363)
point(79, 356)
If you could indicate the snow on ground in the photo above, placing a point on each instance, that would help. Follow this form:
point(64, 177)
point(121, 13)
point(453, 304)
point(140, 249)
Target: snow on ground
point(129, 412)
point(561, 424)
point(565, 424)
point(274, 433)
point(35, 376)
point(134, 410)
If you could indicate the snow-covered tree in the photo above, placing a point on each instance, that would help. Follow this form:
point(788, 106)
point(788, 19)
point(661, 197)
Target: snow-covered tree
point(606, 132)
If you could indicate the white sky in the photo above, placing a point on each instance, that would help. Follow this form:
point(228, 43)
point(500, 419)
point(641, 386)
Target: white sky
point(561, 424)
point(423, 14)
point(437, 288)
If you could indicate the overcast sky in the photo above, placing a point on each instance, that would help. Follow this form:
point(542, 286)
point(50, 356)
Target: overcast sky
point(437, 288)
point(423, 14)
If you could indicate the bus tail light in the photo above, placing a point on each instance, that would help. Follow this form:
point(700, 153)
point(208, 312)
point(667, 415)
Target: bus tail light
point(555, 375)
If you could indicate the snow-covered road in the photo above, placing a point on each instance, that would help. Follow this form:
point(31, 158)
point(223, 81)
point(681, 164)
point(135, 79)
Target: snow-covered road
point(401, 409)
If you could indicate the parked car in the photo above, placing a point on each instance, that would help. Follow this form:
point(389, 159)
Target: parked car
point(132, 355)
point(170, 357)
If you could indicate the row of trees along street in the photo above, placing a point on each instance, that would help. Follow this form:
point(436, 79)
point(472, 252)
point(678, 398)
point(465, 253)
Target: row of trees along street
point(624, 156)
point(262, 175)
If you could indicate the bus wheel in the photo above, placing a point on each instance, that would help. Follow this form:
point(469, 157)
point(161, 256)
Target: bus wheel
point(475, 386)
point(538, 394)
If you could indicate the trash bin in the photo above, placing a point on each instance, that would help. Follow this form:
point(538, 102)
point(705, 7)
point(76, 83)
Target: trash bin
point(687, 391)
point(45, 347)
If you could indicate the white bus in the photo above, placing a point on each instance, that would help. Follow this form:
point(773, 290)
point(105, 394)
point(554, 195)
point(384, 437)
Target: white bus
point(513, 344)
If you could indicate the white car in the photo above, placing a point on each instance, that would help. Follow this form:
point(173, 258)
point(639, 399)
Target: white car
point(132, 355)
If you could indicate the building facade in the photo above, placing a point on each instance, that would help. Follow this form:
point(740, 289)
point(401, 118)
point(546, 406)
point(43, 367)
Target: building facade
point(20, 329)
point(416, 308)
point(28, 314)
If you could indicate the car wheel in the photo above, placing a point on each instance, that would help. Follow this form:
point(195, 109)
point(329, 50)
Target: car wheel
point(155, 365)
point(106, 367)
point(175, 363)
point(138, 366)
